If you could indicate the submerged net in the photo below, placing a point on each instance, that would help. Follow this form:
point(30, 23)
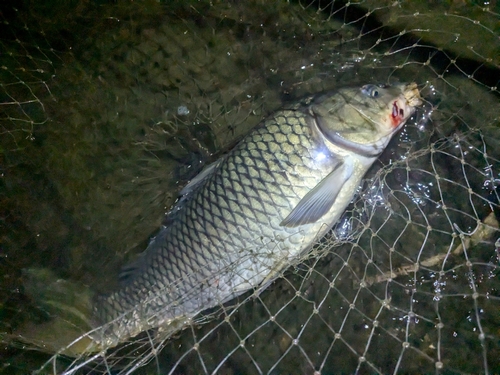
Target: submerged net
point(106, 110)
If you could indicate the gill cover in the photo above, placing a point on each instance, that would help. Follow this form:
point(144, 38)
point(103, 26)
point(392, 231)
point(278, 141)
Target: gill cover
point(364, 120)
point(361, 121)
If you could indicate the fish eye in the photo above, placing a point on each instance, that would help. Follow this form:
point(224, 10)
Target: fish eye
point(370, 91)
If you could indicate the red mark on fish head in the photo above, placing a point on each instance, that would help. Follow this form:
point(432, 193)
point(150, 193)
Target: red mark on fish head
point(397, 115)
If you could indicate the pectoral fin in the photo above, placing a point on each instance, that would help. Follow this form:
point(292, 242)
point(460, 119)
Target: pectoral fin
point(319, 200)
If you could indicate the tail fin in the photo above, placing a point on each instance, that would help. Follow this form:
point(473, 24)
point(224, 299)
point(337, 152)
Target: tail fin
point(67, 306)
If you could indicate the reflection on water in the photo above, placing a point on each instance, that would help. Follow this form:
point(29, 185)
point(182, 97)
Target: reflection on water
point(107, 113)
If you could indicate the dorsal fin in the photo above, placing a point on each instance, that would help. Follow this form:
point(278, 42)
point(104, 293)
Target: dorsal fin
point(200, 177)
point(130, 270)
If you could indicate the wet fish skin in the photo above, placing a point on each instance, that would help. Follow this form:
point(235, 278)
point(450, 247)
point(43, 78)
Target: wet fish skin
point(257, 209)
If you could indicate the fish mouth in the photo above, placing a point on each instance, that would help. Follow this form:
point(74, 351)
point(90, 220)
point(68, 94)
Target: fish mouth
point(408, 101)
point(412, 95)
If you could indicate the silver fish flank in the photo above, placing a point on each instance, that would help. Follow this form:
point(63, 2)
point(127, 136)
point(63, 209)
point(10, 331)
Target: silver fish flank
point(249, 215)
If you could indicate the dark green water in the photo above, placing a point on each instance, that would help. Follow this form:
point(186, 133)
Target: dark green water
point(107, 110)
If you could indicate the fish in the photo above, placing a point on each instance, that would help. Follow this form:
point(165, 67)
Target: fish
point(249, 215)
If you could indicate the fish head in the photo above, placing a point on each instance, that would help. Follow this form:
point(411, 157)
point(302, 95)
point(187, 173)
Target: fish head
point(364, 119)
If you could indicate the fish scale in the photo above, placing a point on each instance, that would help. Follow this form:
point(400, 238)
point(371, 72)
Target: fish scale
point(226, 234)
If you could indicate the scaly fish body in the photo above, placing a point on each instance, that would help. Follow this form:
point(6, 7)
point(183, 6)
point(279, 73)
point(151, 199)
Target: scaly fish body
point(253, 212)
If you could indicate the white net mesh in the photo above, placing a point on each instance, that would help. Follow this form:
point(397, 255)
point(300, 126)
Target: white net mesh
point(107, 109)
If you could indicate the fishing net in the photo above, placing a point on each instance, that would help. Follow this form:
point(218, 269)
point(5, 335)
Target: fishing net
point(108, 109)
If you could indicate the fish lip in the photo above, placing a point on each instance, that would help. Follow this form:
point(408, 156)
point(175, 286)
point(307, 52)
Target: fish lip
point(412, 95)
point(412, 100)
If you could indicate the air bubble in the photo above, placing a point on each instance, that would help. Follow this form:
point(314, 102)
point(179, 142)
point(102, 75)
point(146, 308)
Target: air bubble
point(182, 110)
